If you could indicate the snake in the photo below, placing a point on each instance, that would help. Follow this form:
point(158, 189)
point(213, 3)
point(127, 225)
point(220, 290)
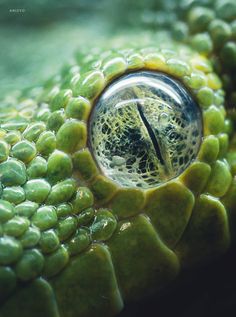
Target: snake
point(117, 173)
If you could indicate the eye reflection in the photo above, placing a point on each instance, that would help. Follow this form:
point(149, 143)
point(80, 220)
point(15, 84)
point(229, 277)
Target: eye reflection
point(145, 130)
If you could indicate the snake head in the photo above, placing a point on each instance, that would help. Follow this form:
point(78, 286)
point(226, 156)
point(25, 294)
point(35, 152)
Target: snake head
point(117, 174)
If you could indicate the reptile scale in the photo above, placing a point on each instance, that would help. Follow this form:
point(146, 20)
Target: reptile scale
point(118, 174)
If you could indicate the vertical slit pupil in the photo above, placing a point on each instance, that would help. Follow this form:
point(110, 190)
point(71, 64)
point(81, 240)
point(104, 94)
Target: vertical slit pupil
point(151, 134)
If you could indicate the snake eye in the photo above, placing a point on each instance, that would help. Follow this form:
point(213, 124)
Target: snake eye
point(145, 129)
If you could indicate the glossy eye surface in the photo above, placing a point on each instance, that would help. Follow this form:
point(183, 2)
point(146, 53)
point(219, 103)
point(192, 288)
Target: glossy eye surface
point(145, 129)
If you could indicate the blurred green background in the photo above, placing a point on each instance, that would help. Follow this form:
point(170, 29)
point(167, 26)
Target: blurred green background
point(38, 37)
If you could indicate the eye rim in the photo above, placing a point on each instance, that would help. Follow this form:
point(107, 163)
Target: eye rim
point(182, 63)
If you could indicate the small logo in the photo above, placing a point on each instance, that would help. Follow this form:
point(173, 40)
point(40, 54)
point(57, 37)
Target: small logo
point(17, 10)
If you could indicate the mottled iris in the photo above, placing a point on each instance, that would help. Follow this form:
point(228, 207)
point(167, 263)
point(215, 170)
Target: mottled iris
point(145, 129)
